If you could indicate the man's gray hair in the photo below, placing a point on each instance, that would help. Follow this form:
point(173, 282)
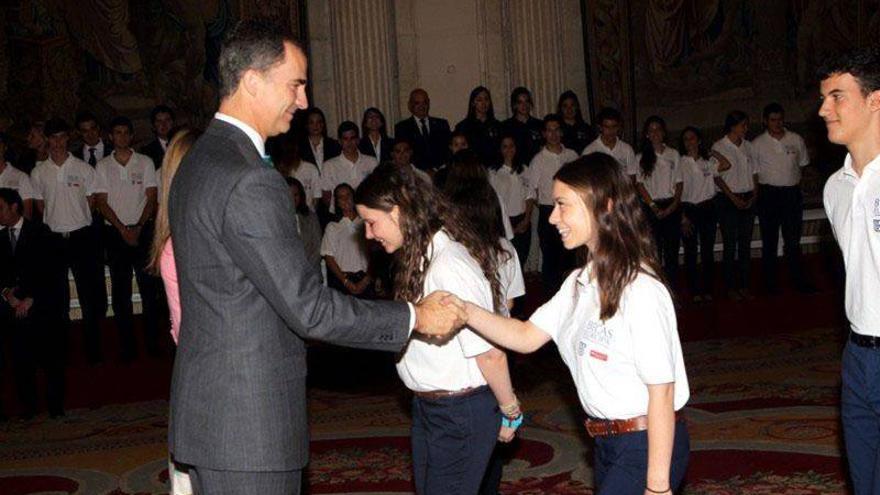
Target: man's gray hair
point(253, 44)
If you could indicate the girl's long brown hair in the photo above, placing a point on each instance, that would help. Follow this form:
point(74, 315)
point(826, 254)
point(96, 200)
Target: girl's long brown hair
point(178, 147)
point(423, 211)
point(625, 245)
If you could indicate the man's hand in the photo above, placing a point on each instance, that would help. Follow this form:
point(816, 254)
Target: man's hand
point(439, 316)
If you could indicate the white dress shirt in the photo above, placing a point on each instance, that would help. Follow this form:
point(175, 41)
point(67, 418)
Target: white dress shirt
point(613, 361)
point(622, 152)
point(539, 175)
point(65, 189)
point(739, 177)
point(779, 161)
point(451, 365)
point(852, 204)
point(99, 151)
point(318, 153)
point(13, 178)
point(511, 188)
point(667, 173)
point(126, 185)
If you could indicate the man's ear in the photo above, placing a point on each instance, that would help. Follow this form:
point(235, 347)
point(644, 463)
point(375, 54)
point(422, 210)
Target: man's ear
point(251, 82)
point(874, 100)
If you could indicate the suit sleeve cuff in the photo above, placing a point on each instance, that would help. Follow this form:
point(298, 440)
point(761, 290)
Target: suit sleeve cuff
point(412, 318)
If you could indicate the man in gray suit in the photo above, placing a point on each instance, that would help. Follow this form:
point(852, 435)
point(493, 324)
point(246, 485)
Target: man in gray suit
point(249, 297)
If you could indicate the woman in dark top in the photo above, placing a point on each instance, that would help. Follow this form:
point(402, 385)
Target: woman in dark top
point(317, 148)
point(525, 129)
point(375, 136)
point(576, 133)
point(482, 129)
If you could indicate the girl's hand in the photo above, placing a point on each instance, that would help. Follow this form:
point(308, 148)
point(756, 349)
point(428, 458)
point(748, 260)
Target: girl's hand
point(506, 434)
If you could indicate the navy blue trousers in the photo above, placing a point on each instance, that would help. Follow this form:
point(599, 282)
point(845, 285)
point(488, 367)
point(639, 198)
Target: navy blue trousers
point(860, 414)
point(452, 439)
point(621, 462)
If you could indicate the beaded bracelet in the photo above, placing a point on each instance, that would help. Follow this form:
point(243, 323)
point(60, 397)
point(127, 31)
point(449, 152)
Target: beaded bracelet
point(512, 423)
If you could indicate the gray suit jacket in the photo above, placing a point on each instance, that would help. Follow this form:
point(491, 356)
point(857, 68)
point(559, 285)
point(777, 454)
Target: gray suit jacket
point(249, 298)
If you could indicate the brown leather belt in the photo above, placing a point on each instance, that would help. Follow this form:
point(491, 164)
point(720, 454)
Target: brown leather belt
point(444, 394)
point(611, 427)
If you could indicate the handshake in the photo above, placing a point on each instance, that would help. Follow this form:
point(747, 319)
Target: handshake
point(440, 314)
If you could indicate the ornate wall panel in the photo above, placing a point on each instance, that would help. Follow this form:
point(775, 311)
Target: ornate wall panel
point(610, 57)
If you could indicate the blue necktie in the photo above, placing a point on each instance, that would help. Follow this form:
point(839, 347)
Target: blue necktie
point(267, 161)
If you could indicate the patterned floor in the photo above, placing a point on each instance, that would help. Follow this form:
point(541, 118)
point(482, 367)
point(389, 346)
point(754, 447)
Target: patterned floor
point(763, 419)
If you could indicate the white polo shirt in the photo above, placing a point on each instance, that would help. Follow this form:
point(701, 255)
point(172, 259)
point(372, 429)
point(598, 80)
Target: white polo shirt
point(426, 366)
point(126, 185)
point(742, 164)
point(308, 175)
point(510, 275)
point(698, 179)
point(542, 168)
point(666, 174)
point(613, 361)
point(511, 188)
point(779, 161)
point(344, 241)
point(852, 204)
point(13, 178)
point(341, 170)
point(65, 190)
point(622, 152)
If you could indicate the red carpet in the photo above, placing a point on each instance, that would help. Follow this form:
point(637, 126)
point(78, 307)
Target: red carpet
point(763, 414)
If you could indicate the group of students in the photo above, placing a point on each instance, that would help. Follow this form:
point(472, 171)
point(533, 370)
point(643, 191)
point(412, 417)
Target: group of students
point(80, 208)
point(464, 225)
point(688, 190)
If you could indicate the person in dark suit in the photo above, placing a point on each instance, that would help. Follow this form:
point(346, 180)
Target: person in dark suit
point(34, 319)
point(162, 120)
point(92, 147)
point(375, 141)
point(429, 135)
point(249, 298)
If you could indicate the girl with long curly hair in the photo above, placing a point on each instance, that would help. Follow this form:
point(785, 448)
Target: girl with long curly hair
point(459, 384)
point(614, 324)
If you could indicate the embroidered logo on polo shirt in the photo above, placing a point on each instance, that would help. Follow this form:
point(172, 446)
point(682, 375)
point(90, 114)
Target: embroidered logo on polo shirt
point(595, 331)
point(876, 214)
point(598, 355)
